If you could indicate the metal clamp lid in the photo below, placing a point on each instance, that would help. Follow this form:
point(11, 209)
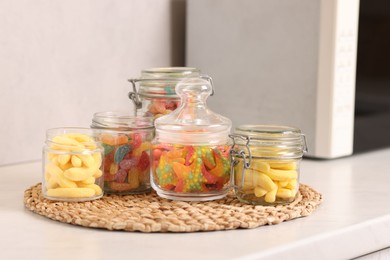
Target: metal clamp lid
point(241, 153)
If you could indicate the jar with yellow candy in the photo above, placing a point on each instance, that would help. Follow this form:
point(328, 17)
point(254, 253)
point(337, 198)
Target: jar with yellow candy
point(191, 149)
point(266, 160)
point(72, 165)
point(156, 94)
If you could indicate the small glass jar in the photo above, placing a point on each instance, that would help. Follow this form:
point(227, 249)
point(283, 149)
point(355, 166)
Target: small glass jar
point(266, 161)
point(190, 159)
point(72, 165)
point(126, 140)
point(156, 95)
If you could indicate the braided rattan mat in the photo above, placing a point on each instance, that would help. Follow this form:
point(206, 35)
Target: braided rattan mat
point(150, 213)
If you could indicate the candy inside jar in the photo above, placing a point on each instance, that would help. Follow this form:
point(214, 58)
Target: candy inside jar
point(126, 140)
point(72, 165)
point(266, 163)
point(187, 168)
point(190, 157)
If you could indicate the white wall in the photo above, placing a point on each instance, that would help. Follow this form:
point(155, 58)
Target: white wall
point(61, 61)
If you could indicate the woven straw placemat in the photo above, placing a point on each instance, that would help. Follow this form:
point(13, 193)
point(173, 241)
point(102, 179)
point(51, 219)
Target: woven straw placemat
point(150, 213)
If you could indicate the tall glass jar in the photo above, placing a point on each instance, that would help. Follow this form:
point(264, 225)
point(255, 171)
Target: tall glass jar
point(190, 159)
point(72, 165)
point(266, 161)
point(156, 95)
point(126, 140)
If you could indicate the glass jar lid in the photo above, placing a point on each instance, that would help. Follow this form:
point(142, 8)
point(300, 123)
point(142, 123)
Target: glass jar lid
point(161, 82)
point(120, 121)
point(271, 140)
point(193, 123)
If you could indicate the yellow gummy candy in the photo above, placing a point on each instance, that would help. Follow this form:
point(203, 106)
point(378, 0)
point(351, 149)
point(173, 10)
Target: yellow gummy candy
point(281, 175)
point(282, 184)
point(50, 182)
point(292, 184)
point(270, 196)
point(283, 165)
point(98, 174)
point(78, 174)
point(263, 180)
point(284, 193)
point(56, 173)
point(260, 166)
point(260, 192)
point(63, 159)
point(87, 159)
point(71, 192)
point(133, 180)
point(66, 141)
point(96, 188)
point(90, 180)
point(76, 161)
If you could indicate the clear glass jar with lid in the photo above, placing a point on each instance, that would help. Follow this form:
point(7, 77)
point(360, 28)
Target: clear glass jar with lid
point(190, 157)
point(72, 165)
point(126, 140)
point(266, 163)
point(156, 95)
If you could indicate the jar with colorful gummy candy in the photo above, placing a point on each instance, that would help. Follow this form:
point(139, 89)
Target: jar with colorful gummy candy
point(72, 165)
point(126, 140)
point(190, 152)
point(266, 162)
point(156, 95)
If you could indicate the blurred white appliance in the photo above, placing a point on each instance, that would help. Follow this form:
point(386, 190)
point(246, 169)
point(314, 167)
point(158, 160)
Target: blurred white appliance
point(288, 62)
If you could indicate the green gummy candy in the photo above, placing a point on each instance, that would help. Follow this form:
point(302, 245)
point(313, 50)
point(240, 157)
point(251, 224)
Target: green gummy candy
point(107, 149)
point(120, 153)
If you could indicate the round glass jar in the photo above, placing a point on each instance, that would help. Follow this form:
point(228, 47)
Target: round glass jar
point(72, 165)
point(156, 95)
point(266, 160)
point(191, 159)
point(126, 140)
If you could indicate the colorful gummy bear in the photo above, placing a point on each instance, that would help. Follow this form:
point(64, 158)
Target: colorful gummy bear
point(191, 168)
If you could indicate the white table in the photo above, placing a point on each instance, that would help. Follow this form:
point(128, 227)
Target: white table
point(353, 220)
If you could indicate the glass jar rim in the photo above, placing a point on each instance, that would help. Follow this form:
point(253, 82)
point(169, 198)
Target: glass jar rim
point(276, 141)
point(51, 133)
point(169, 72)
point(121, 120)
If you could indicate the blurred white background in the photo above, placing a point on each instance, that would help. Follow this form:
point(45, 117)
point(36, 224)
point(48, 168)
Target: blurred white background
point(61, 61)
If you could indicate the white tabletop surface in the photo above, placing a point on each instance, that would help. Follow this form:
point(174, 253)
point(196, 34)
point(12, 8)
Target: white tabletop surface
point(353, 220)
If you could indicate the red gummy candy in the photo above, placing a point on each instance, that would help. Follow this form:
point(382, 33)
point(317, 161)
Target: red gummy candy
point(137, 140)
point(121, 175)
point(108, 176)
point(179, 186)
point(144, 162)
point(157, 154)
point(126, 164)
point(211, 179)
point(190, 152)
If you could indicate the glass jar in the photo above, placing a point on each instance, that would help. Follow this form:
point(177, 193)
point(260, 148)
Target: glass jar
point(266, 161)
point(190, 159)
point(156, 95)
point(126, 140)
point(72, 165)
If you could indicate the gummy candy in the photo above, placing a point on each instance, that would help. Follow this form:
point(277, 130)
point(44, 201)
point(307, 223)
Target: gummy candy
point(120, 153)
point(191, 168)
point(126, 165)
point(72, 175)
point(267, 181)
